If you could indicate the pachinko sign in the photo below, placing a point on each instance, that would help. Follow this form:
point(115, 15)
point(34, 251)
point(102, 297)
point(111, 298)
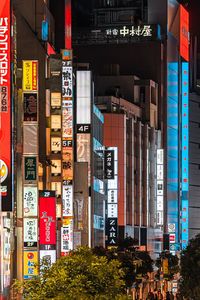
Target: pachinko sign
point(5, 107)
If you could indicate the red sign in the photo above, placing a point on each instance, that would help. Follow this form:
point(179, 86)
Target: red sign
point(47, 213)
point(5, 107)
point(184, 33)
point(68, 24)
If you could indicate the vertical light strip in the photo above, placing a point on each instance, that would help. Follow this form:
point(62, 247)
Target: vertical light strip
point(185, 153)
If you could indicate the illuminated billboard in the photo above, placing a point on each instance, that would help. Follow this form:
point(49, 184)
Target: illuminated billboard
point(184, 33)
point(30, 232)
point(30, 261)
point(30, 107)
point(67, 237)
point(5, 107)
point(112, 200)
point(30, 201)
point(30, 75)
point(185, 155)
point(67, 200)
point(173, 148)
point(47, 215)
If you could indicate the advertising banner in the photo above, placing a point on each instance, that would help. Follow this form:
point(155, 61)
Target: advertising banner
point(111, 231)
point(30, 169)
point(55, 99)
point(47, 215)
point(184, 33)
point(30, 261)
point(55, 144)
point(5, 107)
point(30, 232)
point(48, 255)
point(67, 80)
point(30, 75)
point(30, 201)
point(67, 200)
point(67, 122)
point(109, 164)
point(67, 163)
point(67, 237)
point(55, 167)
point(55, 122)
point(30, 107)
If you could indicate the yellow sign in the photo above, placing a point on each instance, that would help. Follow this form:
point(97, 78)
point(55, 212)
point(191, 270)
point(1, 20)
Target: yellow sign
point(165, 266)
point(30, 75)
point(30, 261)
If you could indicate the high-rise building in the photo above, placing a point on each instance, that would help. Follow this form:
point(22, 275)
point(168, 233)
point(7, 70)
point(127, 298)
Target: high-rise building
point(150, 40)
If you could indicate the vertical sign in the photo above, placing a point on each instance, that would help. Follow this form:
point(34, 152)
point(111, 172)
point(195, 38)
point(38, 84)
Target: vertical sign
point(173, 149)
point(109, 164)
point(184, 33)
point(5, 107)
point(30, 261)
point(185, 153)
point(47, 223)
point(67, 152)
point(68, 24)
point(30, 160)
point(160, 186)
point(112, 201)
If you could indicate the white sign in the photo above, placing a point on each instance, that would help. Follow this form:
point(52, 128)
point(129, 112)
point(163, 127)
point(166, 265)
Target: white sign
point(160, 203)
point(30, 230)
point(67, 80)
point(67, 200)
point(160, 172)
point(55, 144)
point(49, 255)
point(55, 167)
point(171, 227)
point(55, 99)
point(83, 91)
point(30, 201)
point(112, 196)
point(132, 31)
point(55, 122)
point(67, 237)
point(112, 210)
point(160, 156)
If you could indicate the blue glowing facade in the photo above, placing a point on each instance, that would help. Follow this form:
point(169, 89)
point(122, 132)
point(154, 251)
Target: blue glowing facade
point(185, 153)
point(173, 153)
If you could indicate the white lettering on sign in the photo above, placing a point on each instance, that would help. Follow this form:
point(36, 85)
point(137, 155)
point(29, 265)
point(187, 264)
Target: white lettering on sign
point(143, 31)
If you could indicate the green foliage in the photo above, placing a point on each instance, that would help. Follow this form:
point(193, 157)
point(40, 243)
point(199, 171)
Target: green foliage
point(190, 269)
point(133, 262)
point(81, 275)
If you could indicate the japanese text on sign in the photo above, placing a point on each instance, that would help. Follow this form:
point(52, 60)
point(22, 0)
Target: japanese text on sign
point(4, 50)
point(133, 31)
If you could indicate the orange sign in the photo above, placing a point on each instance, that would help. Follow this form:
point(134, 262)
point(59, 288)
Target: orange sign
point(184, 33)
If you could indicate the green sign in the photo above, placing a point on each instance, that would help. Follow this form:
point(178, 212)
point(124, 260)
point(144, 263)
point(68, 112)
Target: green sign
point(30, 168)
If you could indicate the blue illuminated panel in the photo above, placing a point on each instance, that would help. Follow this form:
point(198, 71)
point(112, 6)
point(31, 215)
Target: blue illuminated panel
point(185, 155)
point(173, 149)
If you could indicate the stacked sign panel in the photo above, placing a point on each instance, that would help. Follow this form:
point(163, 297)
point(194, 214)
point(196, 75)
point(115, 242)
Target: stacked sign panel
point(5, 107)
point(160, 187)
point(30, 161)
point(111, 174)
point(67, 152)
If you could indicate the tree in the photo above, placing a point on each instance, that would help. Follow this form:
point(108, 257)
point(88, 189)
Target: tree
point(134, 263)
point(190, 270)
point(81, 275)
point(173, 264)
